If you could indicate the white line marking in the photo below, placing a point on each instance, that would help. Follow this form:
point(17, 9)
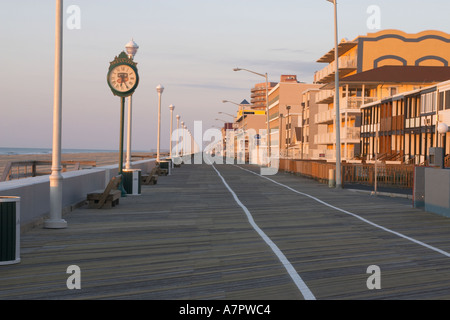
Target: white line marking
point(307, 294)
point(355, 215)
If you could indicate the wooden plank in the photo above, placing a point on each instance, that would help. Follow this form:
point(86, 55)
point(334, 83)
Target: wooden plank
point(186, 238)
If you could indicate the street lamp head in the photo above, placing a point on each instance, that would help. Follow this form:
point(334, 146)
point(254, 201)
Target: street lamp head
point(237, 69)
point(160, 89)
point(178, 117)
point(171, 107)
point(442, 128)
point(131, 48)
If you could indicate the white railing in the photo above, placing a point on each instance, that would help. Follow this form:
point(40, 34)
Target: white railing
point(345, 62)
point(351, 134)
point(355, 102)
point(324, 95)
point(324, 117)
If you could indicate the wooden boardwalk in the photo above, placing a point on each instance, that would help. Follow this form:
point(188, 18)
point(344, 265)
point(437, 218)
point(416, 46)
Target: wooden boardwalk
point(188, 238)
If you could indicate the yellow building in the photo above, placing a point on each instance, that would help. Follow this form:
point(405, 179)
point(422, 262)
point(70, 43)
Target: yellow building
point(365, 53)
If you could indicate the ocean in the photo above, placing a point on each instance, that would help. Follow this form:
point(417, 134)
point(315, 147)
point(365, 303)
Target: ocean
point(14, 151)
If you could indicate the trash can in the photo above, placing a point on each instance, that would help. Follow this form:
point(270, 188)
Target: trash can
point(9, 230)
point(164, 166)
point(331, 178)
point(132, 181)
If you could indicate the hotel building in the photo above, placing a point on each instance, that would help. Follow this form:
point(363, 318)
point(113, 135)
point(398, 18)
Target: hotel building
point(258, 95)
point(363, 54)
point(403, 127)
point(285, 115)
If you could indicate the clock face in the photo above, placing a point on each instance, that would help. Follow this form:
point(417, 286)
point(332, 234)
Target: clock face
point(122, 78)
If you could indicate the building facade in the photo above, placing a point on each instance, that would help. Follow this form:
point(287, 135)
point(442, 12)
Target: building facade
point(258, 95)
point(285, 115)
point(404, 127)
point(364, 54)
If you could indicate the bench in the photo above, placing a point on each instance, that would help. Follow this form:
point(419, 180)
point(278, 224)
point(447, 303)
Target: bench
point(107, 198)
point(151, 178)
point(163, 168)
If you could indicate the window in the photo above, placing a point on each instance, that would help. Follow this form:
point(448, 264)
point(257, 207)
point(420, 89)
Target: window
point(392, 91)
point(428, 102)
point(441, 100)
point(447, 100)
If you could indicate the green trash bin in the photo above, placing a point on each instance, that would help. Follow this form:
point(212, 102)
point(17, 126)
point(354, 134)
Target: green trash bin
point(9, 230)
point(164, 166)
point(132, 181)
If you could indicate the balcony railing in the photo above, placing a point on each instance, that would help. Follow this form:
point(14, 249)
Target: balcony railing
point(324, 138)
point(325, 96)
point(323, 154)
point(348, 135)
point(325, 117)
point(346, 63)
point(355, 102)
point(258, 94)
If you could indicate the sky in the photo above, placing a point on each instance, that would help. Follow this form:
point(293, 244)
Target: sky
point(189, 47)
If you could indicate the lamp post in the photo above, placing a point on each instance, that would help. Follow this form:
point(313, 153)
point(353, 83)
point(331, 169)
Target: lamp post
point(227, 101)
point(267, 108)
point(160, 90)
point(131, 49)
point(184, 140)
point(288, 130)
point(182, 147)
point(336, 99)
point(171, 108)
point(56, 221)
point(178, 138)
point(226, 114)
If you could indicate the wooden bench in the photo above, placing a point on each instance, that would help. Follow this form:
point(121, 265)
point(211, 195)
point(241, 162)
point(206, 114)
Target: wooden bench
point(151, 178)
point(107, 198)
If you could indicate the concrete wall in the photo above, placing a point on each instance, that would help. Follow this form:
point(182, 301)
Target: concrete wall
point(34, 192)
point(437, 191)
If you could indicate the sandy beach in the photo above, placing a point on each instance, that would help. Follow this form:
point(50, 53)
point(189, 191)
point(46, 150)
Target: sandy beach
point(101, 158)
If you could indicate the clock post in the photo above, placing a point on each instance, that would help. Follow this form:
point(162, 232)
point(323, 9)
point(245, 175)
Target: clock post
point(122, 116)
point(123, 80)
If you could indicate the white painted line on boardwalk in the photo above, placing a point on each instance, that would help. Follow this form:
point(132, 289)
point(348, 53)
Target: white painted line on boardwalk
point(354, 215)
point(307, 294)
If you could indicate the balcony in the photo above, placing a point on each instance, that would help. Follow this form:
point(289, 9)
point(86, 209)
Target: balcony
point(325, 96)
point(258, 100)
point(347, 64)
point(324, 138)
point(348, 135)
point(323, 154)
point(355, 103)
point(326, 117)
point(346, 104)
point(258, 94)
point(330, 155)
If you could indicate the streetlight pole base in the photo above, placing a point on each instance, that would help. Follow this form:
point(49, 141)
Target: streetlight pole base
point(55, 224)
point(55, 220)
